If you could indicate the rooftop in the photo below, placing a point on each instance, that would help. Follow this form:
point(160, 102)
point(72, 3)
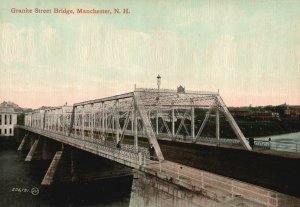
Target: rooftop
point(9, 107)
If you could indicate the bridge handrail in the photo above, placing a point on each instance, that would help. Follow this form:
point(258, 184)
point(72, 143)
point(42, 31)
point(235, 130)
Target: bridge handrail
point(186, 177)
point(127, 150)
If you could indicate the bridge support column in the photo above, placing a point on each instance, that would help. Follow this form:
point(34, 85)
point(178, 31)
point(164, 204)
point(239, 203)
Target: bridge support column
point(72, 170)
point(62, 167)
point(24, 143)
point(48, 178)
point(47, 153)
point(41, 149)
point(32, 150)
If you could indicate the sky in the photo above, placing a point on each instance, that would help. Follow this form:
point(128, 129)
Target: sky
point(249, 50)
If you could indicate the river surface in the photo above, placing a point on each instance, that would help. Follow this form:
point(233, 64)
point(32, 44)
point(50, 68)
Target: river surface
point(20, 186)
point(284, 142)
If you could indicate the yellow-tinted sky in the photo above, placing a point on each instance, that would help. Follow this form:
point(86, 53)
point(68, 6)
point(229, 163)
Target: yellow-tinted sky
point(250, 50)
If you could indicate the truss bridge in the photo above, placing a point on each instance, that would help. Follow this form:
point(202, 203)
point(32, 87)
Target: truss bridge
point(121, 128)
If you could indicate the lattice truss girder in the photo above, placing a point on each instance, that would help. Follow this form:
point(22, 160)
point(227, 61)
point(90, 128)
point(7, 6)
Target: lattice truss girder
point(162, 100)
point(58, 119)
point(144, 113)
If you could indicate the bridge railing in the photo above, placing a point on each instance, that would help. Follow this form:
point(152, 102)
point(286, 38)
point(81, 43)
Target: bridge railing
point(278, 145)
point(285, 146)
point(124, 152)
point(209, 183)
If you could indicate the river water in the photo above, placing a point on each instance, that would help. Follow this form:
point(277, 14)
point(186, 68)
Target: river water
point(284, 142)
point(20, 186)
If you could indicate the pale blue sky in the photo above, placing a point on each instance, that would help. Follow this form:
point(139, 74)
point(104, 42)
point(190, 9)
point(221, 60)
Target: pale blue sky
point(250, 50)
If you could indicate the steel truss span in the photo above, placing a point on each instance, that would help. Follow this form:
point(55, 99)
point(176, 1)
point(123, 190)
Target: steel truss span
point(143, 113)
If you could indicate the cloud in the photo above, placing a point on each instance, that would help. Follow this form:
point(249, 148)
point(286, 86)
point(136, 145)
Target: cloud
point(16, 44)
point(25, 45)
point(46, 35)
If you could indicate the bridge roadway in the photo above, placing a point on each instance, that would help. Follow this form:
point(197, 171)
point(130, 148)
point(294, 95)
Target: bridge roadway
point(219, 188)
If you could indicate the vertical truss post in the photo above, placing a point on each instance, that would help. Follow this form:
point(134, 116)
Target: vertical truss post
point(50, 121)
point(103, 117)
point(117, 121)
point(56, 121)
point(193, 122)
point(113, 123)
point(82, 123)
point(105, 127)
point(63, 120)
point(72, 121)
point(89, 124)
point(156, 122)
point(75, 120)
point(44, 118)
point(94, 122)
point(132, 120)
point(135, 128)
point(173, 122)
point(218, 126)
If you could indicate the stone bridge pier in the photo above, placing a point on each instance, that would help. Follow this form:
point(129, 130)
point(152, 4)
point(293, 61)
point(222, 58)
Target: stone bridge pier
point(38, 147)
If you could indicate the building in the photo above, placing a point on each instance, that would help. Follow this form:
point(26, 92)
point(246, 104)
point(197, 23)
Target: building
point(240, 112)
point(265, 115)
point(292, 111)
point(8, 119)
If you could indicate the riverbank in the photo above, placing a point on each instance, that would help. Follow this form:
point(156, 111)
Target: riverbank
point(261, 128)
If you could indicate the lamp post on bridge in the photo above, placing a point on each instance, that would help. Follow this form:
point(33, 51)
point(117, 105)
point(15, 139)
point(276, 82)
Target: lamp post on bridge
point(158, 82)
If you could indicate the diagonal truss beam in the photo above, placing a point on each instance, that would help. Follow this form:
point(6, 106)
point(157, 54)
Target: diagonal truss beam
point(233, 124)
point(146, 122)
point(203, 123)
